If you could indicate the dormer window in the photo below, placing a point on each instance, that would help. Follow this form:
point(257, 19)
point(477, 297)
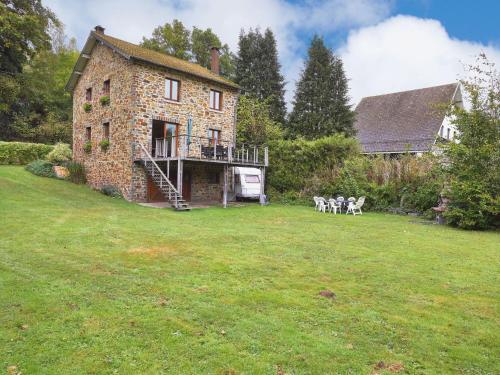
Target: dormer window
point(172, 89)
point(215, 100)
point(88, 94)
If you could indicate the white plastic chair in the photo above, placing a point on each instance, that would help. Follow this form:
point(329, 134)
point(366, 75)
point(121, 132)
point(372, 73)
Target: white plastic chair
point(340, 201)
point(323, 204)
point(316, 203)
point(333, 206)
point(356, 207)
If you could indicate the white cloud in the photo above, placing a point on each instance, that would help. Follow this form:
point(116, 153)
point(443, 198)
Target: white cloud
point(404, 53)
point(380, 55)
point(132, 19)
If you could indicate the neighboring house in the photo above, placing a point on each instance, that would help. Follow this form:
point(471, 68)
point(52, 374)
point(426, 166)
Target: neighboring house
point(170, 124)
point(408, 121)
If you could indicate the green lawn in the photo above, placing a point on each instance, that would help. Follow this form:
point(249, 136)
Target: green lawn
point(95, 285)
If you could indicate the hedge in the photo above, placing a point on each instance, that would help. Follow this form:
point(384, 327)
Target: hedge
point(22, 152)
point(332, 166)
point(294, 163)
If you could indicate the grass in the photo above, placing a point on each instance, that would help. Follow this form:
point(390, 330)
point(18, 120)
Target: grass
point(95, 285)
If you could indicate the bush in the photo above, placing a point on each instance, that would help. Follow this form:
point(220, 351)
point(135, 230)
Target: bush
point(473, 206)
point(42, 168)
point(60, 154)
point(22, 153)
point(294, 165)
point(87, 107)
point(87, 147)
point(104, 100)
point(111, 191)
point(104, 144)
point(76, 172)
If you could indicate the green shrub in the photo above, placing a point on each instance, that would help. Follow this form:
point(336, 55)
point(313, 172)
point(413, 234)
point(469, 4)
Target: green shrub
point(42, 168)
point(76, 172)
point(87, 147)
point(22, 152)
point(60, 154)
point(87, 107)
point(111, 191)
point(473, 206)
point(104, 144)
point(423, 196)
point(104, 100)
point(293, 164)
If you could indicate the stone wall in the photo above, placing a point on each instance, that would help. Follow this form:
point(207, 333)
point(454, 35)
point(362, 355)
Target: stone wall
point(137, 97)
point(203, 186)
point(194, 95)
point(114, 166)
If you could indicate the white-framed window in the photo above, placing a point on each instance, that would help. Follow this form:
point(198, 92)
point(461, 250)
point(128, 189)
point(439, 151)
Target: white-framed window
point(172, 89)
point(215, 100)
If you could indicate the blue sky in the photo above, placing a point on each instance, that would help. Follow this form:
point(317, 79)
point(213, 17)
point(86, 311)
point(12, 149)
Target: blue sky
point(386, 45)
point(470, 20)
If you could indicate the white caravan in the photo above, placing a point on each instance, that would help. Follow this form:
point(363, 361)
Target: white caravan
point(247, 183)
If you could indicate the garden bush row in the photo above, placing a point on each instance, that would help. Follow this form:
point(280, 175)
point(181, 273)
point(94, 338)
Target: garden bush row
point(21, 153)
point(332, 166)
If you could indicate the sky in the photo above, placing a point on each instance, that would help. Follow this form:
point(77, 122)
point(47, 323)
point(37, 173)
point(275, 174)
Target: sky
point(386, 45)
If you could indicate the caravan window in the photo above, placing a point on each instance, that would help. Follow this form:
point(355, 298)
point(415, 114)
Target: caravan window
point(252, 179)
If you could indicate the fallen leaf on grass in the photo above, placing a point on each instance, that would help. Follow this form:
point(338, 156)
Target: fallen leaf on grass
point(163, 301)
point(13, 370)
point(393, 367)
point(328, 294)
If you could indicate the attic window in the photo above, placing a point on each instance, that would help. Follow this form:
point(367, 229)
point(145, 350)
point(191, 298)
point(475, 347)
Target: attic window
point(215, 100)
point(172, 89)
point(88, 94)
point(106, 87)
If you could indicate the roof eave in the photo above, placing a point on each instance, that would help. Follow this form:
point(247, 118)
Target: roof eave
point(221, 82)
point(92, 39)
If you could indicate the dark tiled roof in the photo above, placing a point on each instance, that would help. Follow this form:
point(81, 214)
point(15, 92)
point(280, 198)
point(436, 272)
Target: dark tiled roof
point(402, 121)
point(138, 53)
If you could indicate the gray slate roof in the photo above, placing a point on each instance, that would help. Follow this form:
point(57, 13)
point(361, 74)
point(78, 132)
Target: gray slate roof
point(402, 121)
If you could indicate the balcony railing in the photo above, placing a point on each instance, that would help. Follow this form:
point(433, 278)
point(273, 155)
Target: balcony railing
point(206, 149)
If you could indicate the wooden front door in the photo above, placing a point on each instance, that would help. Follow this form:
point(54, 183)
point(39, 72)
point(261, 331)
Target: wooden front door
point(186, 186)
point(154, 192)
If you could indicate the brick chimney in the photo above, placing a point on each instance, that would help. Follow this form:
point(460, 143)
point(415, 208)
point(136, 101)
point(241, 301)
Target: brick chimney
point(99, 29)
point(214, 60)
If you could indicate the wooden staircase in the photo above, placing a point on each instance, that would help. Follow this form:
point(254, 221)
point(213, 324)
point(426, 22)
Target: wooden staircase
point(163, 183)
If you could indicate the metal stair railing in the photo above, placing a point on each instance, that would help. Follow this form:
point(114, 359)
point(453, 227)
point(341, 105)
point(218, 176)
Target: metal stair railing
point(160, 179)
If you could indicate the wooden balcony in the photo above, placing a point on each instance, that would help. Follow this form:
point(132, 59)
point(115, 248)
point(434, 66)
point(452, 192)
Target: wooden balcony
point(202, 149)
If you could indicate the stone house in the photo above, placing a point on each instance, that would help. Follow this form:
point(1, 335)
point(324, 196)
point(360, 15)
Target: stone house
point(156, 127)
point(409, 121)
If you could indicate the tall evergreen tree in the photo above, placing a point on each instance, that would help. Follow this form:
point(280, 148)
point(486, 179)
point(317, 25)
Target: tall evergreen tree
point(258, 71)
point(321, 103)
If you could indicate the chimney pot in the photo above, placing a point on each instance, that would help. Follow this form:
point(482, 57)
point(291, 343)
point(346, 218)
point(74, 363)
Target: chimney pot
point(99, 29)
point(214, 60)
